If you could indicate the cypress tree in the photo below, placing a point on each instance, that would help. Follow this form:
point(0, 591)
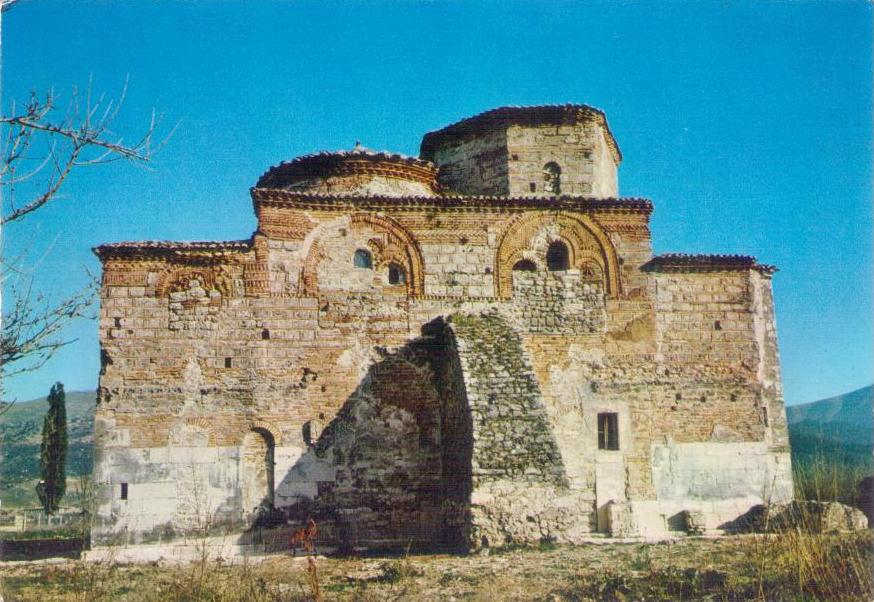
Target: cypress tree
point(53, 451)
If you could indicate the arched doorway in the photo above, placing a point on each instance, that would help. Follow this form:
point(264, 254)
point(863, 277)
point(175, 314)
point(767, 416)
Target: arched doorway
point(256, 470)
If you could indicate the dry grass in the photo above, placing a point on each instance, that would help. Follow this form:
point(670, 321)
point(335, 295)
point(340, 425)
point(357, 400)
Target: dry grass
point(794, 564)
point(820, 478)
point(760, 567)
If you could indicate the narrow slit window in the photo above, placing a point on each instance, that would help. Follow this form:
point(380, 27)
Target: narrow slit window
point(608, 431)
point(124, 491)
point(363, 259)
point(532, 186)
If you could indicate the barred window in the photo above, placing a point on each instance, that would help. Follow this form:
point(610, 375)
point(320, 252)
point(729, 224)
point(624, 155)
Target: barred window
point(608, 431)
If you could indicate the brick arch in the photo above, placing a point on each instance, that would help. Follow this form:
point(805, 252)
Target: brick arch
point(184, 426)
point(309, 280)
point(204, 424)
point(400, 247)
point(576, 231)
point(263, 425)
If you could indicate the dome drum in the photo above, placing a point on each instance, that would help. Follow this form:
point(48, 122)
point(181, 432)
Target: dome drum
point(356, 172)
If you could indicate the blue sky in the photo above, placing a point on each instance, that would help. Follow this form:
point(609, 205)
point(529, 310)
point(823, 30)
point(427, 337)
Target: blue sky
point(749, 125)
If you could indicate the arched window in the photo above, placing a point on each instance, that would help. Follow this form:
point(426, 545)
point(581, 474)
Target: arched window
point(257, 469)
point(525, 265)
point(396, 274)
point(552, 178)
point(363, 259)
point(557, 257)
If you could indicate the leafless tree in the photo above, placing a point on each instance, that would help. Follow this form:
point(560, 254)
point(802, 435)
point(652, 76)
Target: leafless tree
point(44, 143)
point(45, 146)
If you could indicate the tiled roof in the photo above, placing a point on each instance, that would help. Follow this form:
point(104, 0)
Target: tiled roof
point(165, 247)
point(531, 115)
point(326, 162)
point(458, 202)
point(681, 262)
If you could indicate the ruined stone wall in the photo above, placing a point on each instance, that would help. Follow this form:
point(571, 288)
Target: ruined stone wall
point(688, 397)
point(384, 447)
point(349, 400)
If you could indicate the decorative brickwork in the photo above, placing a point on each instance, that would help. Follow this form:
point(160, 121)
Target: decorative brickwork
point(527, 237)
point(414, 364)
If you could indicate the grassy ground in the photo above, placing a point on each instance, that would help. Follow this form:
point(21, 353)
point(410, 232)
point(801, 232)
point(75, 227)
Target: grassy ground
point(783, 567)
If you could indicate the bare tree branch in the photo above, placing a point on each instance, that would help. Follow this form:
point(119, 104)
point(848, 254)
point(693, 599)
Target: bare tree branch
point(39, 137)
point(31, 324)
point(42, 147)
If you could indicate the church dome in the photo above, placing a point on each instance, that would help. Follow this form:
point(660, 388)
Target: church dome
point(359, 171)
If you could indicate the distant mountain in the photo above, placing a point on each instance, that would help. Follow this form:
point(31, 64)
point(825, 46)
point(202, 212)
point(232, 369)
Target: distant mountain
point(20, 435)
point(841, 428)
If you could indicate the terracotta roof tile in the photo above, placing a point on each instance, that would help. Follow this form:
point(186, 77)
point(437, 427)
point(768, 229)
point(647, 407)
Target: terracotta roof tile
point(450, 201)
point(325, 162)
point(166, 247)
point(681, 262)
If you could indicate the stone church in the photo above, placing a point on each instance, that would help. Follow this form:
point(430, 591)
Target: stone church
point(472, 347)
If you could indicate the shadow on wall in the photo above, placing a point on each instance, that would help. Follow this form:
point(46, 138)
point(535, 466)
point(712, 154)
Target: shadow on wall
point(393, 468)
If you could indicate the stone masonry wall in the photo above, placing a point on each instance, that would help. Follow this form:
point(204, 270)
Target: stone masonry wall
point(587, 167)
point(384, 448)
point(329, 362)
point(474, 165)
point(519, 487)
point(557, 302)
point(510, 160)
point(511, 437)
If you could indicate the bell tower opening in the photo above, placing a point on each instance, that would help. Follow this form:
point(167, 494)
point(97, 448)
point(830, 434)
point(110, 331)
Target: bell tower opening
point(552, 178)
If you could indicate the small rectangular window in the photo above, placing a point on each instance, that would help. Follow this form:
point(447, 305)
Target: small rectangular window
point(124, 491)
point(227, 362)
point(532, 187)
point(608, 431)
